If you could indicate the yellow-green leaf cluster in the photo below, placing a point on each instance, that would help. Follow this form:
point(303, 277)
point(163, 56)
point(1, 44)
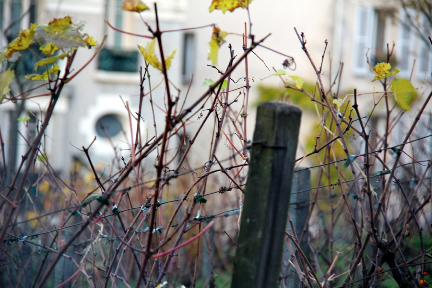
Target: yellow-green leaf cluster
point(338, 102)
point(54, 70)
point(49, 49)
point(298, 80)
point(216, 41)
point(228, 5)
point(382, 70)
point(89, 41)
point(280, 72)
point(25, 38)
point(62, 32)
point(149, 55)
point(134, 6)
point(6, 78)
point(50, 60)
point(403, 92)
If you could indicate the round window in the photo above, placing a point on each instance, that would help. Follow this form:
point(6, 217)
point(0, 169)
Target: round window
point(108, 125)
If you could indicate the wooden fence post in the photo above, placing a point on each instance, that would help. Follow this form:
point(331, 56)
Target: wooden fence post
point(64, 267)
point(299, 212)
point(267, 196)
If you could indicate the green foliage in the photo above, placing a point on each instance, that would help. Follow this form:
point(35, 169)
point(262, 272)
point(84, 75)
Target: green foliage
point(24, 119)
point(403, 92)
point(299, 81)
point(208, 82)
point(268, 93)
point(280, 72)
point(199, 199)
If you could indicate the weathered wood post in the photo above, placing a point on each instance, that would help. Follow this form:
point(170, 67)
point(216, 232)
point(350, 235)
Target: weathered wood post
point(299, 212)
point(64, 267)
point(267, 196)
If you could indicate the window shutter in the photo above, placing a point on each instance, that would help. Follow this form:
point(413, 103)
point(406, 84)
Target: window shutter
point(364, 38)
point(424, 58)
point(406, 39)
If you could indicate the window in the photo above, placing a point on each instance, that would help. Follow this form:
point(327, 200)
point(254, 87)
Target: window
point(365, 38)
point(370, 38)
point(424, 53)
point(14, 16)
point(114, 58)
point(117, 60)
point(405, 45)
point(108, 126)
point(188, 56)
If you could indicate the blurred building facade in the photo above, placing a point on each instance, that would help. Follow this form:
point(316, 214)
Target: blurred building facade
point(353, 28)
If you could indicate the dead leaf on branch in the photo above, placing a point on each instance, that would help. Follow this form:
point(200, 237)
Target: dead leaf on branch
point(229, 5)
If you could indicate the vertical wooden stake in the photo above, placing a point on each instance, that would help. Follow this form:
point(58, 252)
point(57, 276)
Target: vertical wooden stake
point(299, 212)
point(267, 197)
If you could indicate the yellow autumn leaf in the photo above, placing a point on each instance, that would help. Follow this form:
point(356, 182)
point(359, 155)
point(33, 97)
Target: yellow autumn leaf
point(403, 92)
point(32, 215)
point(230, 5)
point(62, 32)
point(90, 41)
point(6, 78)
point(216, 41)
point(44, 187)
point(49, 60)
point(149, 55)
point(49, 49)
point(54, 70)
point(134, 6)
point(59, 24)
point(25, 38)
point(382, 70)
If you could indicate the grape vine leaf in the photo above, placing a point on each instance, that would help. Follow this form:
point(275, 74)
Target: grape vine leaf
point(382, 70)
point(134, 6)
point(89, 41)
point(24, 119)
point(216, 41)
point(298, 80)
point(6, 78)
point(403, 92)
point(350, 159)
point(49, 49)
point(280, 72)
point(338, 102)
point(42, 157)
point(50, 60)
point(25, 38)
point(208, 82)
point(62, 32)
point(149, 55)
point(54, 70)
point(230, 5)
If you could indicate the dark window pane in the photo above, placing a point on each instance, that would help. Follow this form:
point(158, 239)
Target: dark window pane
point(33, 13)
point(115, 60)
point(110, 124)
point(16, 21)
point(188, 56)
point(1, 14)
